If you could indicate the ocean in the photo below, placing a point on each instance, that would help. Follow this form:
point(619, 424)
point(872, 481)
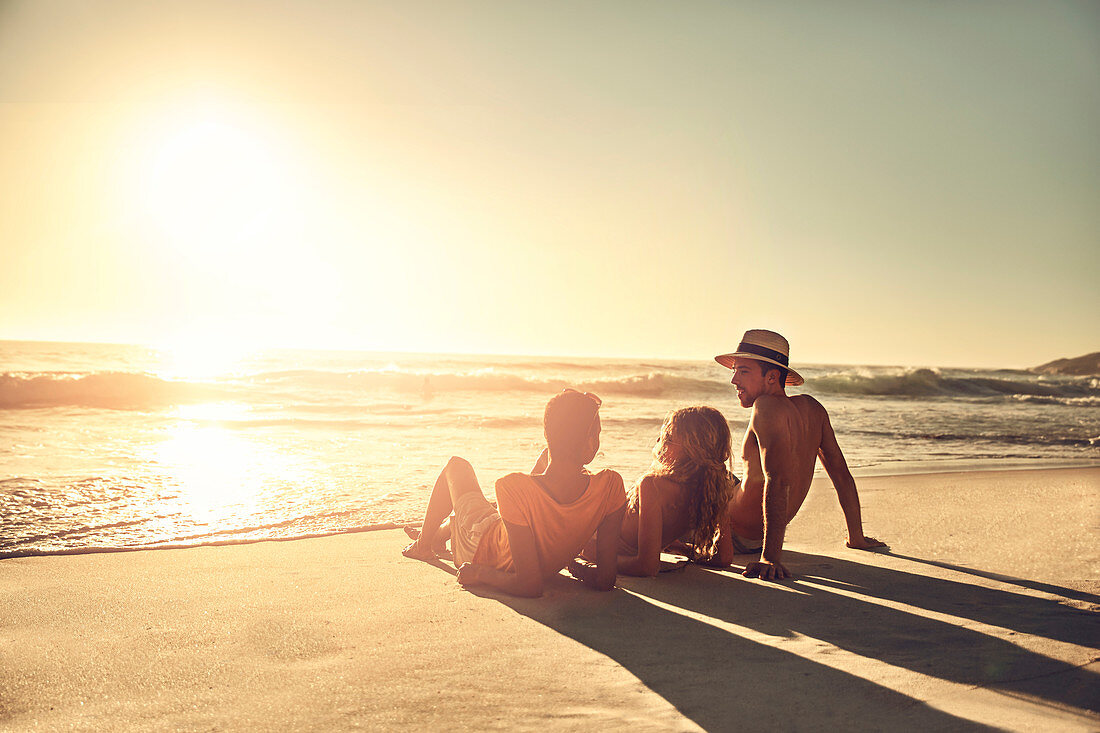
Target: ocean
point(107, 448)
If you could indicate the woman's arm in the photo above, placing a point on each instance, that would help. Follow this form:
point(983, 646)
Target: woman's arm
point(650, 524)
point(601, 576)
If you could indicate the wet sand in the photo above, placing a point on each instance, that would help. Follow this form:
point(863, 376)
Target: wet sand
point(984, 614)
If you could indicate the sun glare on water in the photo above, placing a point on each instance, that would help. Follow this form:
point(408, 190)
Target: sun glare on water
point(223, 475)
point(215, 470)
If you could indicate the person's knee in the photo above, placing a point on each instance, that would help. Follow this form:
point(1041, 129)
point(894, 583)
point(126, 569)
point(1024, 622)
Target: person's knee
point(460, 475)
point(458, 463)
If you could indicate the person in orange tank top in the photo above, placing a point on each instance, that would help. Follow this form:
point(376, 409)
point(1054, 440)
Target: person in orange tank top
point(542, 519)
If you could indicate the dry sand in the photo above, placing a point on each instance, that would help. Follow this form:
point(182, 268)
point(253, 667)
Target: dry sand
point(983, 615)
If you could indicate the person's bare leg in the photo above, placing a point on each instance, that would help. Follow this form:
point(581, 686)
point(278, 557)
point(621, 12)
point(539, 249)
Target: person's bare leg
point(456, 478)
point(439, 508)
point(441, 536)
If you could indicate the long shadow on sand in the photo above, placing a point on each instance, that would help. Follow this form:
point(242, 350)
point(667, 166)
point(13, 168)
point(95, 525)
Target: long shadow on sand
point(1070, 593)
point(1050, 618)
point(931, 646)
point(720, 679)
point(723, 681)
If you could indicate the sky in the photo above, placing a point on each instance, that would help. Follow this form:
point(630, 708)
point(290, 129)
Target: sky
point(911, 183)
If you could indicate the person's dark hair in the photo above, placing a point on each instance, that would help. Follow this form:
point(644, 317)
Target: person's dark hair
point(567, 421)
point(766, 366)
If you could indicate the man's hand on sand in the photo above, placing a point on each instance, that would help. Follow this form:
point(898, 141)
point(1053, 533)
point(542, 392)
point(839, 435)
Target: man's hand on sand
point(766, 570)
point(469, 574)
point(582, 571)
point(864, 543)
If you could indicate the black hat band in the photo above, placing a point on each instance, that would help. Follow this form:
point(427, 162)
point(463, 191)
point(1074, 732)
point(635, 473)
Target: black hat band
point(764, 351)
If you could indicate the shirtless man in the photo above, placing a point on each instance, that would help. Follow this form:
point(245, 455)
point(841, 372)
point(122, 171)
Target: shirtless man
point(786, 436)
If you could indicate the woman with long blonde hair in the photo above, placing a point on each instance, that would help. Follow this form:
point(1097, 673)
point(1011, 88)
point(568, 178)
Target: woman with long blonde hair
point(684, 496)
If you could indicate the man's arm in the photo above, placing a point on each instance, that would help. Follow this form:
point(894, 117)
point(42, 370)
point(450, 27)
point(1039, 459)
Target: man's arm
point(650, 521)
point(833, 460)
point(526, 577)
point(541, 463)
point(777, 461)
point(601, 576)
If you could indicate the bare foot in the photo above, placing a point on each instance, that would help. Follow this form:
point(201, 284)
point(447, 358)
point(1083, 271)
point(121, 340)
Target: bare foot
point(866, 543)
point(439, 546)
point(416, 552)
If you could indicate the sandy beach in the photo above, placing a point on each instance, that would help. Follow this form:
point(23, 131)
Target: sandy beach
point(983, 615)
point(264, 266)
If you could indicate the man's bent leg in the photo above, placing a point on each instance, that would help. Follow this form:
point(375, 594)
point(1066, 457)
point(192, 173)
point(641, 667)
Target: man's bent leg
point(456, 478)
point(473, 514)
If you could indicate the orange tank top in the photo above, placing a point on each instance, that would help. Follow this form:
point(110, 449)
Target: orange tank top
point(560, 530)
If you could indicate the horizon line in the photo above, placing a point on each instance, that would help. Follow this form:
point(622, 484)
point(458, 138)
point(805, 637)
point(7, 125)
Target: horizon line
point(400, 352)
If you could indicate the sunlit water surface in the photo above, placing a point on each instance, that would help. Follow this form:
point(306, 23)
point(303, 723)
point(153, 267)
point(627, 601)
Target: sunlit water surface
point(112, 447)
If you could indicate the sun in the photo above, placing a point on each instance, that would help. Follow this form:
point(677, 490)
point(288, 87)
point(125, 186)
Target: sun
point(215, 180)
point(231, 217)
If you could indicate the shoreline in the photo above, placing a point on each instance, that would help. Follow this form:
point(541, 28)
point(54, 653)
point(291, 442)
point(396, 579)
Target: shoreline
point(819, 479)
point(973, 465)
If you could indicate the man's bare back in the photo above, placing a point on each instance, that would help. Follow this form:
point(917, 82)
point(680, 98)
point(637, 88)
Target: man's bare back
point(803, 417)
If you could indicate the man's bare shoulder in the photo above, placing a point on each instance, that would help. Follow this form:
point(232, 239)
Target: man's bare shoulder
point(770, 413)
point(808, 403)
point(767, 405)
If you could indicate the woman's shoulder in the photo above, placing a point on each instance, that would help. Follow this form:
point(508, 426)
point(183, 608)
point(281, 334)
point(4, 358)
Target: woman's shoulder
point(608, 476)
point(663, 485)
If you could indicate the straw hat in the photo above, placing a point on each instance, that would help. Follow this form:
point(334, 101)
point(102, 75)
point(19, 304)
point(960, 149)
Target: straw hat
point(766, 346)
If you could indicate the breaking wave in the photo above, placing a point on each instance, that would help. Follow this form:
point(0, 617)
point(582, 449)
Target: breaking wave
point(128, 391)
point(333, 389)
point(651, 383)
point(114, 390)
point(933, 383)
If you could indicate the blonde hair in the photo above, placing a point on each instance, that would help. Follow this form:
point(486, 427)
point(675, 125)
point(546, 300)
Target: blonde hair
point(701, 468)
